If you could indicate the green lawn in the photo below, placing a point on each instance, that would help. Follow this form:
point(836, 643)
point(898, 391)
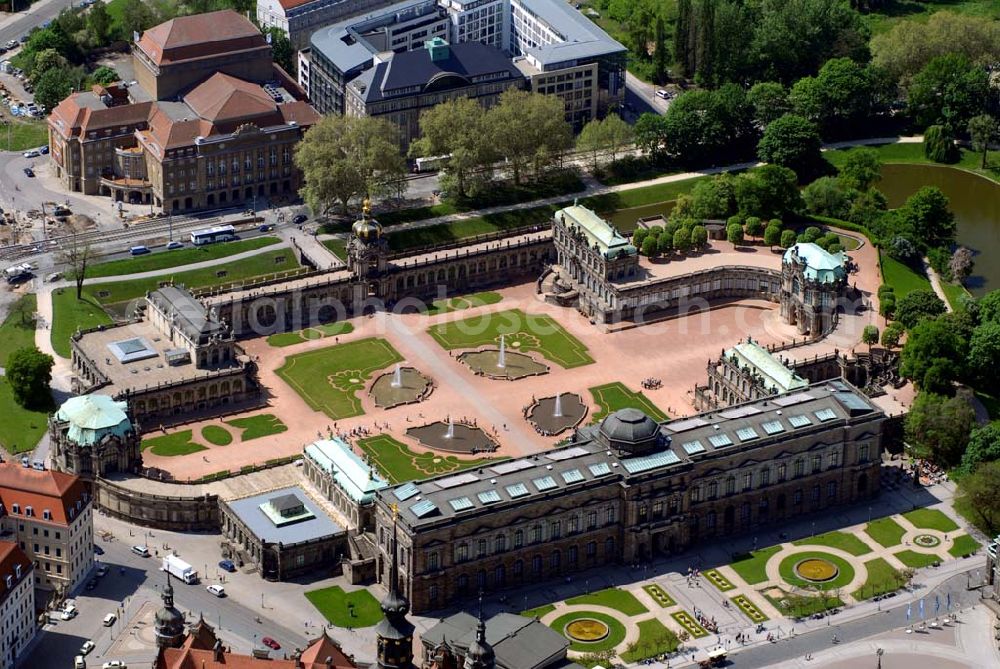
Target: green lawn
point(452, 231)
point(449, 304)
point(659, 595)
point(931, 519)
point(315, 332)
point(328, 379)
point(902, 277)
point(836, 539)
point(615, 636)
point(178, 258)
point(715, 577)
point(749, 608)
point(523, 332)
point(254, 427)
point(803, 606)
point(917, 560)
point(176, 443)
point(346, 609)
point(24, 135)
point(955, 294)
point(337, 246)
point(398, 463)
point(753, 568)
point(886, 531)
point(539, 611)
point(964, 545)
point(690, 623)
point(920, 10)
point(613, 598)
point(18, 329)
point(614, 396)
point(216, 435)
point(20, 429)
point(882, 578)
point(264, 264)
point(654, 639)
point(70, 314)
point(913, 152)
point(844, 575)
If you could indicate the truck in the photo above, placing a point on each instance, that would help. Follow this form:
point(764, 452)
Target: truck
point(180, 569)
point(18, 273)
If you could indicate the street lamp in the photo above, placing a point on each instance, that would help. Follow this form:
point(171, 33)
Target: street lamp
point(878, 658)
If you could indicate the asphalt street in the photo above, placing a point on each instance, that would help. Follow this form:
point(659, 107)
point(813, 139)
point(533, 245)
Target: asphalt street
point(21, 22)
point(134, 581)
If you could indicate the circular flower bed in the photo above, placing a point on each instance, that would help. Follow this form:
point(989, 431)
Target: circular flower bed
point(926, 540)
point(816, 570)
point(614, 636)
point(586, 629)
point(789, 570)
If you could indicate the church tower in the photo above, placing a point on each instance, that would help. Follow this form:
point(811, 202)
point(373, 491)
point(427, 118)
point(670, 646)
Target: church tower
point(394, 631)
point(169, 622)
point(367, 249)
point(480, 654)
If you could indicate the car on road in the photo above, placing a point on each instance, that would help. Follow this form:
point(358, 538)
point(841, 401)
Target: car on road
point(227, 565)
point(31, 153)
point(79, 662)
point(265, 228)
point(87, 646)
point(174, 245)
point(139, 251)
point(141, 551)
point(217, 590)
point(102, 571)
point(114, 664)
point(300, 219)
point(28, 172)
point(663, 93)
point(44, 150)
point(109, 620)
point(69, 612)
point(97, 549)
point(271, 643)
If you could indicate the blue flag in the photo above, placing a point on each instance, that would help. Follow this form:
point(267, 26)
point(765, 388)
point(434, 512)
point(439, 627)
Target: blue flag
point(921, 608)
point(909, 610)
point(937, 604)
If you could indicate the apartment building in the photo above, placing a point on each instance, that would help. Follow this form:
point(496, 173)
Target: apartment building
point(300, 18)
point(49, 515)
point(17, 603)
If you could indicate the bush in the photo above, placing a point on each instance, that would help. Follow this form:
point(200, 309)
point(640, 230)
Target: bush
point(887, 305)
point(811, 234)
point(884, 290)
point(649, 247)
point(787, 238)
point(639, 236)
point(754, 226)
point(734, 233)
point(699, 237)
point(772, 234)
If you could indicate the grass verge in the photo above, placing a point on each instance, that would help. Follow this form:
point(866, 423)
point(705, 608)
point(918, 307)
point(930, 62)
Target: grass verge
point(654, 639)
point(346, 609)
point(397, 463)
point(255, 427)
point(178, 258)
point(613, 598)
point(836, 539)
point(886, 531)
point(614, 396)
point(18, 329)
point(70, 314)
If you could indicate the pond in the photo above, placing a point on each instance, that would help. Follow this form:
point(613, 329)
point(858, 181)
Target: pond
point(975, 200)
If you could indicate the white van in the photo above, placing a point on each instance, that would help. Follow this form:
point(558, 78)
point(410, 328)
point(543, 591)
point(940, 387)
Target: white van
point(109, 620)
point(69, 612)
point(79, 662)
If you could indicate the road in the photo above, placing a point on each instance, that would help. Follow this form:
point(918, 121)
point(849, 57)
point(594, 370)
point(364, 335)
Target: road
point(12, 26)
point(55, 647)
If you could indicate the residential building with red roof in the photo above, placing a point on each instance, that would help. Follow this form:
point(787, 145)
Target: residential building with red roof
point(209, 122)
point(49, 515)
point(17, 602)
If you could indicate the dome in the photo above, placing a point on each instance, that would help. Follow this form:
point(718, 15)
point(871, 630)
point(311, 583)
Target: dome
point(93, 417)
point(818, 264)
point(627, 428)
point(367, 229)
point(169, 618)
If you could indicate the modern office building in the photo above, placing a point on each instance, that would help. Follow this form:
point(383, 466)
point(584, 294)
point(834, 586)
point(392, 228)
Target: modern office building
point(629, 489)
point(17, 603)
point(49, 515)
point(402, 85)
point(210, 121)
point(300, 18)
point(557, 50)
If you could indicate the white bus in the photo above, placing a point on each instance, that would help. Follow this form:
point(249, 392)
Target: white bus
point(222, 233)
point(431, 163)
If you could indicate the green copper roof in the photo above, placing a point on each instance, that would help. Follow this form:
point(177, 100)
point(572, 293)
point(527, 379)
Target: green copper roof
point(598, 231)
point(820, 265)
point(92, 417)
point(348, 470)
point(774, 375)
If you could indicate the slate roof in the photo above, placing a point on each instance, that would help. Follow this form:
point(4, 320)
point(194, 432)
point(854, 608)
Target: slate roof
point(598, 231)
point(582, 38)
point(519, 642)
point(192, 317)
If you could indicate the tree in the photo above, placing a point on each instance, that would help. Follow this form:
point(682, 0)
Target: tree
point(979, 489)
point(713, 198)
point(105, 75)
point(45, 60)
point(136, 16)
point(983, 130)
point(528, 129)
point(734, 233)
point(282, 51)
point(458, 128)
point(99, 23)
point(791, 141)
point(826, 197)
point(78, 254)
point(841, 97)
point(29, 372)
point(918, 305)
point(659, 50)
point(53, 87)
point(938, 427)
point(618, 133)
point(927, 216)
point(699, 237)
point(948, 91)
point(939, 145)
point(984, 356)
point(649, 247)
point(664, 244)
point(772, 235)
point(639, 236)
point(769, 100)
point(869, 336)
point(960, 265)
point(344, 157)
point(862, 169)
point(651, 134)
point(592, 140)
point(768, 191)
point(988, 307)
point(983, 446)
point(892, 334)
point(682, 240)
point(933, 355)
point(754, 226)
point(887, 307)
point(787, 239)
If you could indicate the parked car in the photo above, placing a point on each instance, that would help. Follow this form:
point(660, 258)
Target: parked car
point(174, 245)
point(44, 150)
point(662, 93)
point(31, 153)
point(271, 643)
point(28, 172)
point(300, 219)
point(79, 662)
point(217, 590)
point(139, 251)
point(102, 571)
point(109, 620)
point(114, 664)
point(69, 612)
point(87, 646)
point(141, 551)
point(227, 565)
point(97, 549)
